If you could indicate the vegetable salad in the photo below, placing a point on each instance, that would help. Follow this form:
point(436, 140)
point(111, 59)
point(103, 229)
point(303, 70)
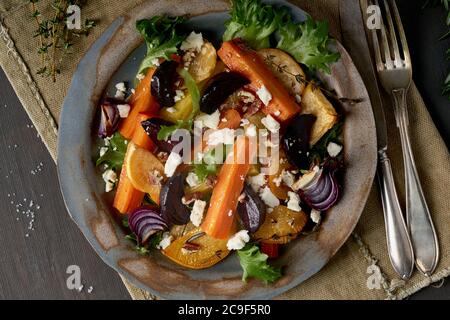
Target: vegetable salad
point(234, 148)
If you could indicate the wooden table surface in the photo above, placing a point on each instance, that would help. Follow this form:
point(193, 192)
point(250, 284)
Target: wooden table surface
point(38, 240)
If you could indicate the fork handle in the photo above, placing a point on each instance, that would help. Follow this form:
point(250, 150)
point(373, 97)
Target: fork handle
point(420, 225)
point(398, 242)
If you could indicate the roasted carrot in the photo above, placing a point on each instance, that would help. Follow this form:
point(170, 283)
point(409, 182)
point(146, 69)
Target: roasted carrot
point(224, 200)
point(141, 101)
point(127, 197)
point(233, 119)
point(243, 60)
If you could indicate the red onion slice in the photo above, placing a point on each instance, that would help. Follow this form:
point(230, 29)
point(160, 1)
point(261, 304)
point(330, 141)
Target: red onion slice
point(144, 222)
point(323, 193)
point(109, 120)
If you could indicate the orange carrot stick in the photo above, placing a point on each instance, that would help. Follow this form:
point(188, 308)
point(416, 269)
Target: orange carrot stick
point(224, 200)
point(241, 59)
point(141, 101)
point(233, 119)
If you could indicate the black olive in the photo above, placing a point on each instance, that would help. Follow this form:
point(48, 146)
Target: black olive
point(296, 139)
point(163, 83)
point(173, 211)
point(219, 88)
point(251, 210)
point(152, 127)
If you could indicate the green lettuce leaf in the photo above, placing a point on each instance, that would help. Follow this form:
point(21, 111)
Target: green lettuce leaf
point(253, 22)
point(308, 42)
point(193, 90)
point(254, 264)
point(115, 154)
point(166, 131)
point(162, 38)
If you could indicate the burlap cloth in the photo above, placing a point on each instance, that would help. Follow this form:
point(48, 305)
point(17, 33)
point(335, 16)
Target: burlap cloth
point(350, 274)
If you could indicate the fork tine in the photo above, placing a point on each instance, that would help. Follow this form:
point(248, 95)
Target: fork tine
point(401, 33)
point(385, 43)
point(394, 43)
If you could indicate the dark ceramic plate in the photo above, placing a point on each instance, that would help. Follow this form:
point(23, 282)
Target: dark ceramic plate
point(113, 58)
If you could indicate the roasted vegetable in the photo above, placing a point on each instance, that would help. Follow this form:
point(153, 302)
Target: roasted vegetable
point(163, 83)
point(314, 102)
point(286, 69)
point(243, 60)
point(219, 88)
point(281, 226)
point(296, 140)
point(231, 119)
point(197, 250)
point(204, 63)
point(173, 211)
point(109, 119)
point(276, 185)
point(145, 222)
point(144, 170)
point(152, 127)
point(251, 210)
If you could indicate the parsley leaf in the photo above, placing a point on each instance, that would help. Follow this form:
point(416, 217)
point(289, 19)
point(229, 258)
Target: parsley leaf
point(308, 42)
point(254, 264)
point(115, 154)
point(193, 90)
point(151, 244)
point(162, 38)
point(210, 164)
point(166, 131)
point(253, 22)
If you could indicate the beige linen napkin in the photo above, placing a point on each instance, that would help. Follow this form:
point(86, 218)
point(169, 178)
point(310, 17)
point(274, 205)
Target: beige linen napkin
point(352, 273)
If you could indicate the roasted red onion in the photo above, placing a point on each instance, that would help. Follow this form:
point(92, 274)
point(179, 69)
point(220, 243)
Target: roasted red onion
point(322, 192)
point(109, 120)
point(144, 222)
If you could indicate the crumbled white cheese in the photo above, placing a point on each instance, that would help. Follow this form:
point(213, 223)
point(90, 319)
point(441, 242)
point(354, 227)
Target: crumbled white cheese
point(288, 178)
point(250, 131)
point(120, 95)
point(277, 113)
point(155, 62)
point(238, 240)
point(103, 150)
point(245, 122)
point(210, 121)
point(110, 178)
point(140, 76)
point(192, 180)
point(294, 202)
point(269, 198)
point(171, 110)
point(224, 136)
point(179, 95)
point(264, 95)
point(121, 87)
point(165, 241)
point(334, 149)
point(197, 212)
point(193, 42)
point(124, 110)
point(277, 181)
point(172, 163)
point(298, 98)
point(256, 182)
point(271, 124)
point(315, 216)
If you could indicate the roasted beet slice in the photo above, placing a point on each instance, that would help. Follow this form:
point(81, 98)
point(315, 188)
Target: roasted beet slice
point(163, 83)
point(251, 210)
point(219, 88)
point(173, 211)
point(152, 127)
point(296, 139)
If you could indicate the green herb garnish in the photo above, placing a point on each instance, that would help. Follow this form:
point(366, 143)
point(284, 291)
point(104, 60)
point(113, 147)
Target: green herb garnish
point(254, 264)
point(193, 90)
point(115, 154)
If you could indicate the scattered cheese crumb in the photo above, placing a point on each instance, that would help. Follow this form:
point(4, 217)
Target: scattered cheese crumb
point(264, 95)
point(165, 241)
point(334, 149)
point(192, 180)
point(238, 240)
point(245, 122)
point(197, 212)
point(269, 198)
point(179, 95)
point(110, 178)
point(315, 216)
point(256, 182)
point(121, 87)
point(90, 289)
point(171, 110)
point(294, 202)
point(271, 124)
point(124, 110)
point(223, 136)
point(210, 121)
point(277, 113)
point(193, 42)
point(298, 98)
point(250, 131)
point(140, 76)
point(172, 163)
point(288, 178)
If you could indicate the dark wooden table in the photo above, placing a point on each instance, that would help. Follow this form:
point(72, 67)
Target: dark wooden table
point(38, 243)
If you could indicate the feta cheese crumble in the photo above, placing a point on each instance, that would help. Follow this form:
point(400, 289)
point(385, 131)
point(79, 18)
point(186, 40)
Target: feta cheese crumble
point(210, 121)
point(110, 178)
point(250, 131)
point(223, 136)
point(172, 163)
point(269, 198)
point(294, 202)
point(288, 178)
point(165, 241)
point(264, 95)
point(196, 216)
point(192, 180)
point(124, 110)
point(334, 149)
point(256, 182)
point(238, 240)
point(120, 91)
point(194, 41)
point(271, 124)
point(102, 151)
point(315, 216)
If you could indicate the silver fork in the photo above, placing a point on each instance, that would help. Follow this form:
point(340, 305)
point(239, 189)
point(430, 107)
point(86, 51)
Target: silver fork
point(395, 72)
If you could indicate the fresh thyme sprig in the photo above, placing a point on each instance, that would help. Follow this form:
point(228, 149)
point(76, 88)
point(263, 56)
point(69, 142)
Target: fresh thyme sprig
point(301, 79)
point(54, 37)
